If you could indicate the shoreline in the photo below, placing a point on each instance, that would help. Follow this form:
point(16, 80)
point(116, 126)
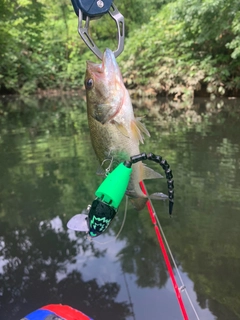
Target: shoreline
point(181, 93)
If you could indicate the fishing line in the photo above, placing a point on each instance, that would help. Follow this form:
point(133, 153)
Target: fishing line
point(124, 217)
point(161, 236)
point(129, 295)
point(183, 287)
point(120, 230)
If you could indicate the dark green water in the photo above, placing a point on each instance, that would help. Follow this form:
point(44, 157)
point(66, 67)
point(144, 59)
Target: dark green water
point(47, 175)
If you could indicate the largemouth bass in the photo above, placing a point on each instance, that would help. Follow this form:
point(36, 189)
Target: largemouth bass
point(114, 130)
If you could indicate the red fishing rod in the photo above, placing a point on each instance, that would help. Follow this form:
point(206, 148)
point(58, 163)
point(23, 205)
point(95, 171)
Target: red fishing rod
point(164, 252)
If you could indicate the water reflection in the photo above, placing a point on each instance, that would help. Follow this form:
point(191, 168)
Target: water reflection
point(47, 171)
point(205, 159)
point(34, 272)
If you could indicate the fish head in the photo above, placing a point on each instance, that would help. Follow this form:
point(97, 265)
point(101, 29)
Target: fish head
point(104, 88)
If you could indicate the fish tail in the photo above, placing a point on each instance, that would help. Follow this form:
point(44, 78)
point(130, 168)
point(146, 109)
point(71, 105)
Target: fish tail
point(138, 203)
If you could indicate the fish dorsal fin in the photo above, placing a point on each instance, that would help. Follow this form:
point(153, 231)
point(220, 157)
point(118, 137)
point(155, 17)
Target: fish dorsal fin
point(138, 128)
point(121, 128)
point(149, 173)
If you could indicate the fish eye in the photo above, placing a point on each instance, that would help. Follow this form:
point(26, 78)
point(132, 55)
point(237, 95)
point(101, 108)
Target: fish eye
point(89, 83)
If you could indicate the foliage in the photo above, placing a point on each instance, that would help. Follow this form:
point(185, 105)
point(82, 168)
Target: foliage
point(41, 48)
point(186, 44)
point(176, 46)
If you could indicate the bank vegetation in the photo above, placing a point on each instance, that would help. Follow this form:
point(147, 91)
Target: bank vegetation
point(176, 48)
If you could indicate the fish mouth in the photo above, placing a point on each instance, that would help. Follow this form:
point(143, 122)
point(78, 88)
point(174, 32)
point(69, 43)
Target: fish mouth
point(109, 63)
point(94, 67)
point(108, 66)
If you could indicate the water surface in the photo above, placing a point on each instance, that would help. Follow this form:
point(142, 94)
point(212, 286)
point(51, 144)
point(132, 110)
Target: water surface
point(47, 170)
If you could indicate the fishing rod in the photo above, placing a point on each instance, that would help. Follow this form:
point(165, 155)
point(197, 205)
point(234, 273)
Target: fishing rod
point(98, 216)
point(160, 237)
point(166, 252)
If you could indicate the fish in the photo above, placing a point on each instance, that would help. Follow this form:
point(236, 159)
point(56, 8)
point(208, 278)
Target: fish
point(114, 130)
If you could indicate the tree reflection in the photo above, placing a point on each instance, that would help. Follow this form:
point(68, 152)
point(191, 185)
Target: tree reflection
point(43, 165)
point(45, 173)
point(86, 295)
point(47, 169)
point(141, 255)
point(35, 257)
point(203, 232)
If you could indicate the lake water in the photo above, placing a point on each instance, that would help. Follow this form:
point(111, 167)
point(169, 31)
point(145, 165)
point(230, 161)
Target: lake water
point(48, 174)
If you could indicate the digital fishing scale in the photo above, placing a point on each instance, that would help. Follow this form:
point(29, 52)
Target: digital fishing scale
point(97, 217)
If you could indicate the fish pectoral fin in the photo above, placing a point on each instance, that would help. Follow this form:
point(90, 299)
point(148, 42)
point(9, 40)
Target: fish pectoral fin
point(158, 196)
point(141, 126)
point(121, 128)
point(138, 128)
point(136, 131)
point(149, 173)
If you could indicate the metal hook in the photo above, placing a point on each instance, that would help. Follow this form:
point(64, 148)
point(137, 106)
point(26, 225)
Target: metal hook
point(107, 170)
